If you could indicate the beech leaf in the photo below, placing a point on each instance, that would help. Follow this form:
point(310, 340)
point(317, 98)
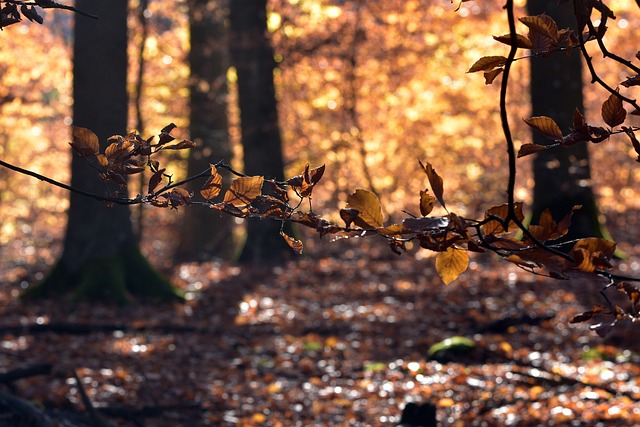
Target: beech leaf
point(294, 244)
point(613, 113)
point(490, 76)
point(540, 24)
point(213, 186)
point(487, 63)
point(244, 190)
point(435, 181)
point(368, 206)
point(527, 149)
point(451, 263)
point(547, 126)
point(426, 202)
point(521, 41)
point(85, 142)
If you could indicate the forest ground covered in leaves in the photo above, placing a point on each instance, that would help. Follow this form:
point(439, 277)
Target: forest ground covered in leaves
point(339, 336)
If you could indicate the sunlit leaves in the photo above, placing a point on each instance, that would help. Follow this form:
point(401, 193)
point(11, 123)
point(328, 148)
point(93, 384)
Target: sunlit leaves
point(542, 24)
point(244, 190)
point(592, 253)
point(451, 263)
point(545, 125)
point(613, 113)
point(303, 184)
point(369, 209)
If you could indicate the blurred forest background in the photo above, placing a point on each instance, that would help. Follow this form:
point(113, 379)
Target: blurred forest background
point(365, 87)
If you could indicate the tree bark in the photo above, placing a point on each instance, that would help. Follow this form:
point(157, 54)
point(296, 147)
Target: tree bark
point(562, 176)
point(100, 256)
point(206, 234)
point(252, 55)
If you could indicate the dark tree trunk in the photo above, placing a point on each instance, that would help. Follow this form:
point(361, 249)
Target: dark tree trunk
point(100, 256)
point(562, 176)
point(205, 233)
point(252, 55)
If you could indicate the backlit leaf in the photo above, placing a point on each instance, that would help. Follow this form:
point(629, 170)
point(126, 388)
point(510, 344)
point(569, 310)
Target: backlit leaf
point(521, 41)
point(542, 24)
point(613, 113)
point(294, 244)
point(527, 149)
point(435, 181)
point(501, 211)
point(368, 206)
point(487, 63)
point(180, 145)
point(451, 263)
point(634, 141)
point(85, 142)
point(213, 186)
point(155, 180)
point(244, 190)
point(426, 202)
point(349, 216)
point(547, 126)
point(490, 76)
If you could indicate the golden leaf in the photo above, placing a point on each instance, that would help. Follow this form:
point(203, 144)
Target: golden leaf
point(85, 142)
point(487, 63)
point(547, 126)
point(426, 202)
point(368, 206)
point(451, 263)
point(212, 187)
point(244, 190)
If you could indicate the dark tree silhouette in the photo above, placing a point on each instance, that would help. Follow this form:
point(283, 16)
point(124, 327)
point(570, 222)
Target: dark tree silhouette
point(252, 55)
point(205, 233)
point(100, 256)
point(562, 176)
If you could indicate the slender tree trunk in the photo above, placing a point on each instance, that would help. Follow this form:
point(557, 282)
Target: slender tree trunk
point(252, 55)
point(100, 256)
point(562, 176)
point(206, 234)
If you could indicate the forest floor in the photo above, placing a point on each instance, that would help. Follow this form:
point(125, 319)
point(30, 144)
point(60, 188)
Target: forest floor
point(340, 337)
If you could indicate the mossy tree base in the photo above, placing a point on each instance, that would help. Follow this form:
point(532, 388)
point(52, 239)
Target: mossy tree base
point(121, 278)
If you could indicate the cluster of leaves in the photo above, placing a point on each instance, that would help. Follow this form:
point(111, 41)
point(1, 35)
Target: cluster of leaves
point(587, 255)
point(12, 11)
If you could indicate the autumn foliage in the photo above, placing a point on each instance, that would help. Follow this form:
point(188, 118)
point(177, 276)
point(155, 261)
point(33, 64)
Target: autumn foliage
point(537, 248)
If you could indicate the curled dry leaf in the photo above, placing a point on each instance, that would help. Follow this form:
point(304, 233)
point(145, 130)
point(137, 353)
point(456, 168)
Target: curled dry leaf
point(426, 202)
point(155, 180)
point(294, 244)
point(435, 181)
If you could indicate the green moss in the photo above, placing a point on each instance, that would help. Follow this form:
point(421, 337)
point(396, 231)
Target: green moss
point(121, 278)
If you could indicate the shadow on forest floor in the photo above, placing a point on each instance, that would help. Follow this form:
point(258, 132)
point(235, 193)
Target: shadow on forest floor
point(328, 341)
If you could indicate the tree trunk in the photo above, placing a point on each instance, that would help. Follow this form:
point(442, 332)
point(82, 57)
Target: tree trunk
point(252, 55)
point(562, 176)
point(206, 234)
point(100, 257)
